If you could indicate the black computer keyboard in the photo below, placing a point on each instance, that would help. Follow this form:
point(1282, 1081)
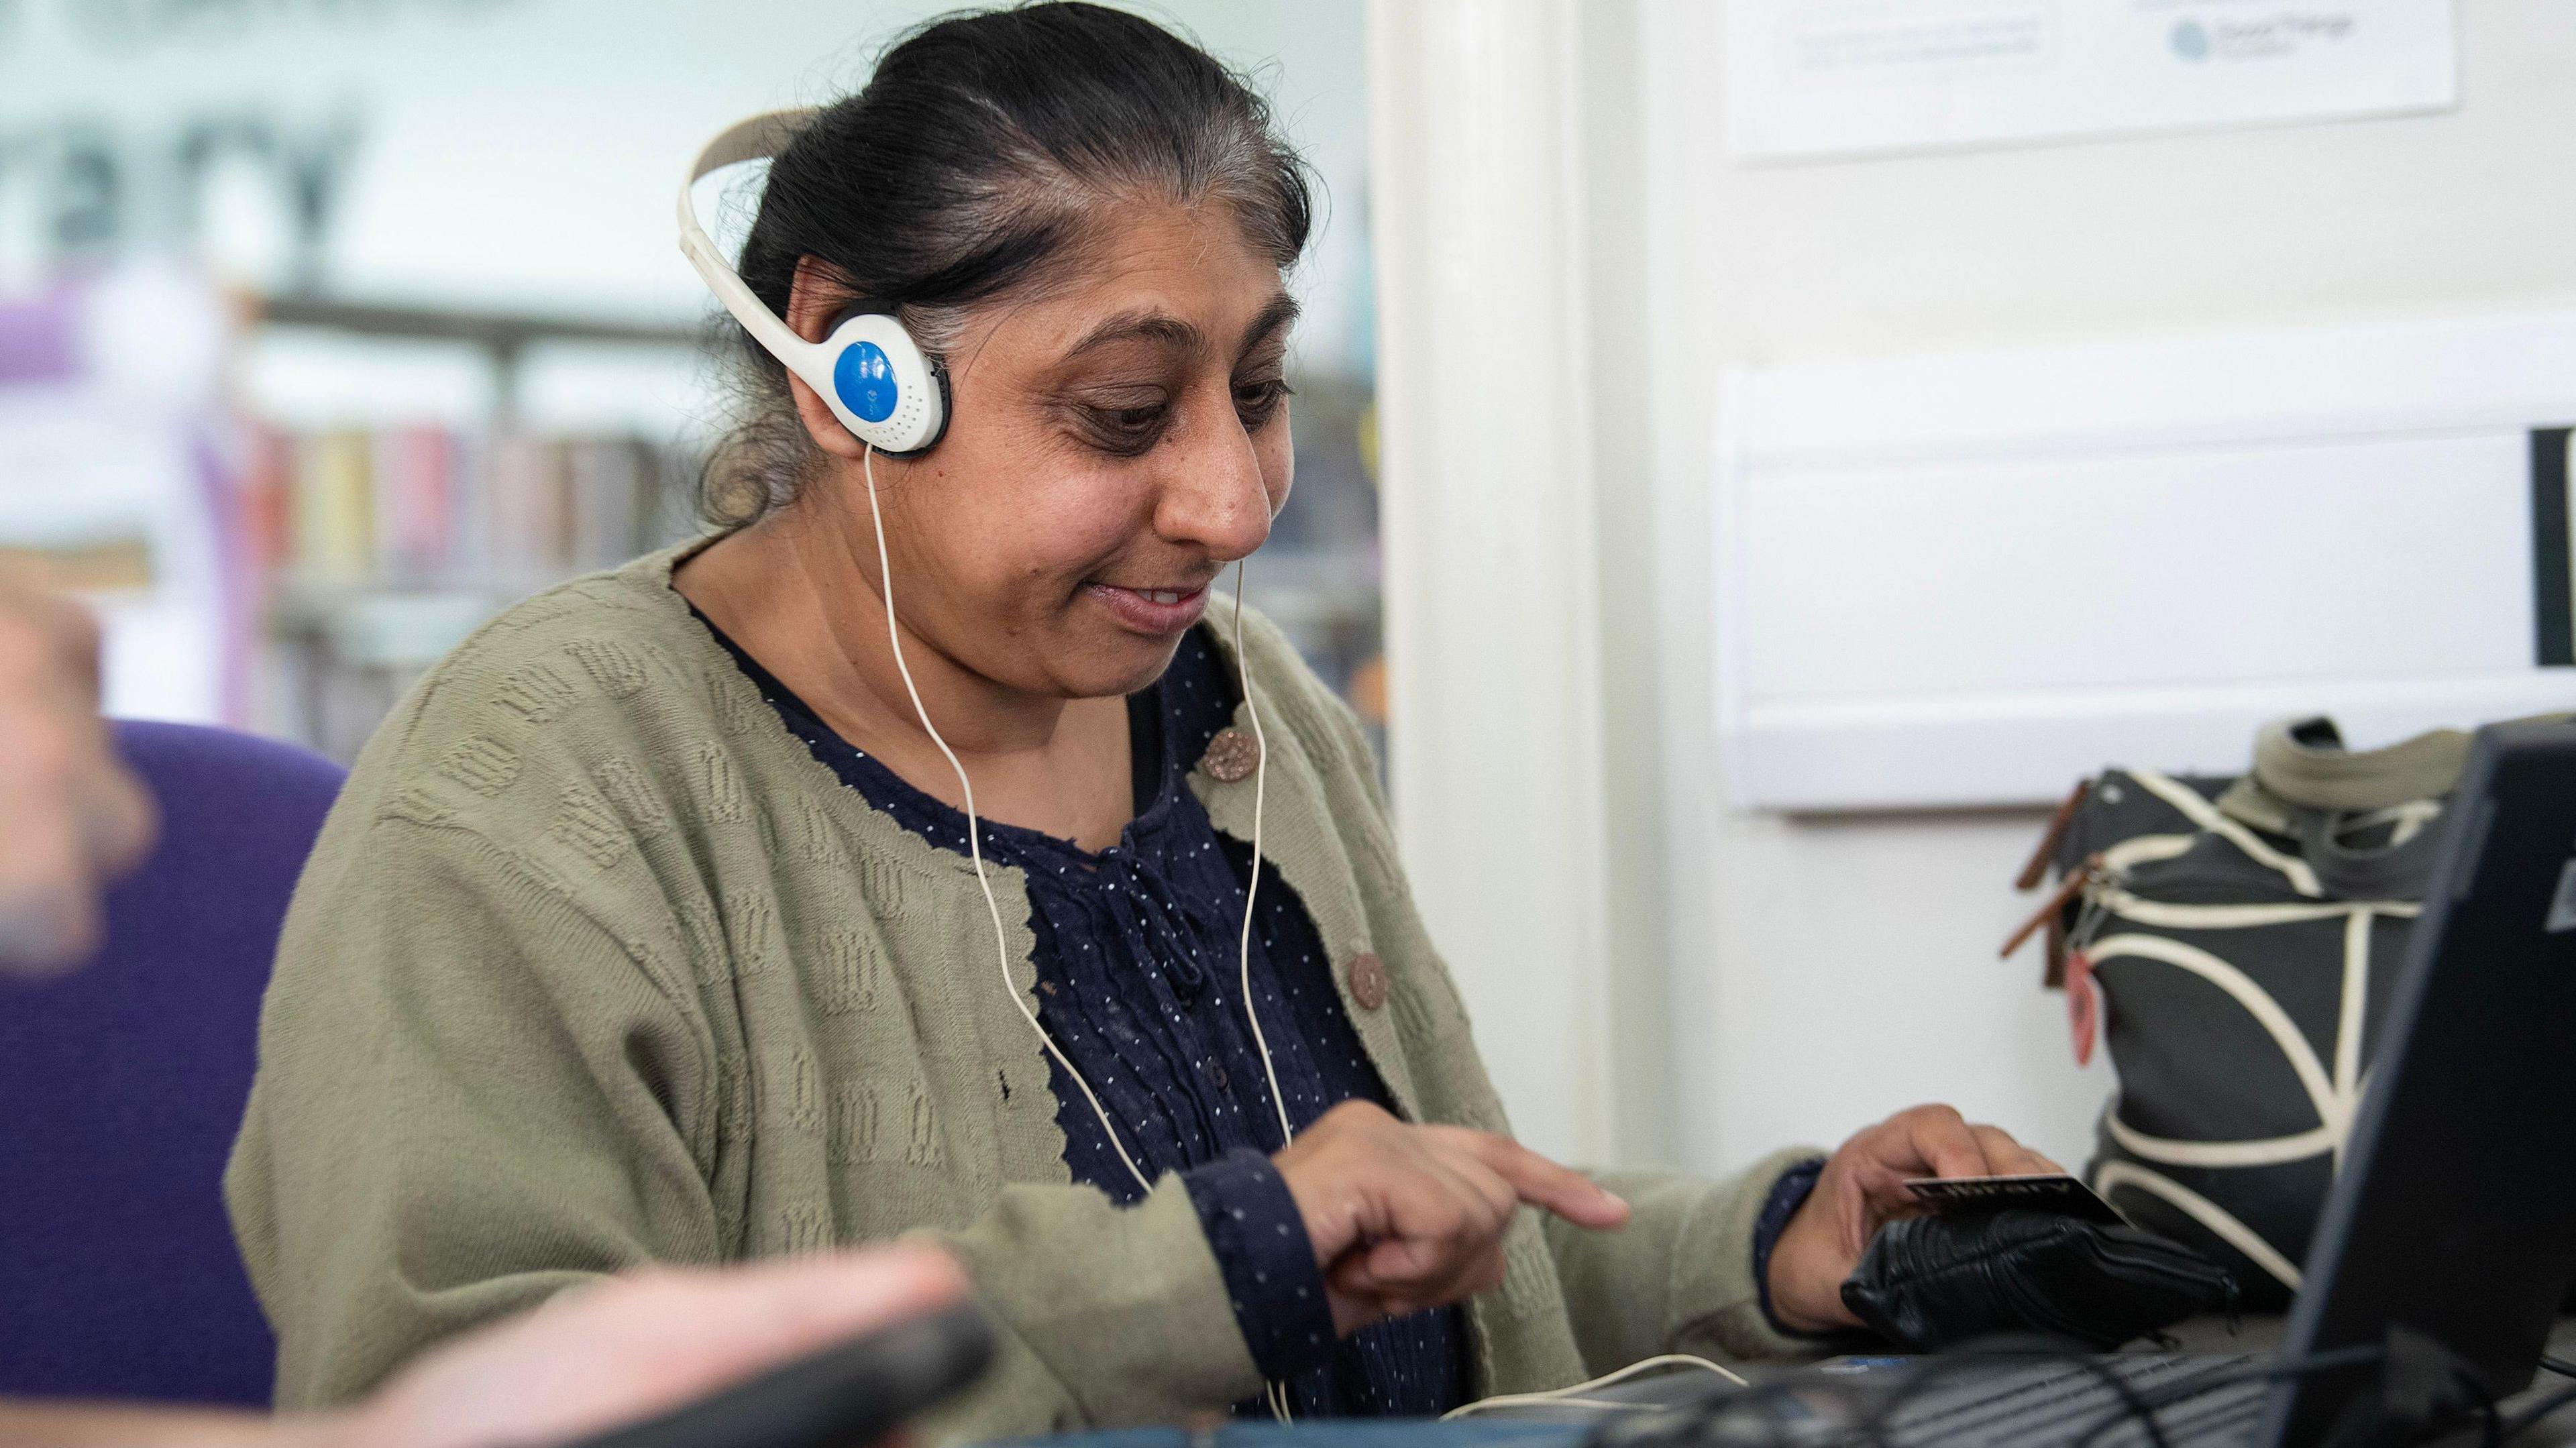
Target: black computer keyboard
point(2052, 1404)
point(2200, 1401)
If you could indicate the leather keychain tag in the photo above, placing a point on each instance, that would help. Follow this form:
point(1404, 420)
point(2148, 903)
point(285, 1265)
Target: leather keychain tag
point(2083, 1005)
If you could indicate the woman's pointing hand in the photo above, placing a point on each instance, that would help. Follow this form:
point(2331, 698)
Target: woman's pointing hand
point(1407, 1217)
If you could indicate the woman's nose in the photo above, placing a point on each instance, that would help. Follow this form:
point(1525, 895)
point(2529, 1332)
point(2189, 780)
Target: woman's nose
point(1214, 494)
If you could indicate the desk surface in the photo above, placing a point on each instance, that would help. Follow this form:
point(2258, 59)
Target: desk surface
point(1565, 1427)
point(2262, 1334)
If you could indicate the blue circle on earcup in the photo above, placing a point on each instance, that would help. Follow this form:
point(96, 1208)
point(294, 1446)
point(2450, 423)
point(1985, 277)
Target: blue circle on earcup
point(864, 376)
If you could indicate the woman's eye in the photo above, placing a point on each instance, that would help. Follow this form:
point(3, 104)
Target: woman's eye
point(1126, 430)
point(1255, 402)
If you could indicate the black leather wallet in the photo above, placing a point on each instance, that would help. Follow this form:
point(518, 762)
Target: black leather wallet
point(1932, 1282)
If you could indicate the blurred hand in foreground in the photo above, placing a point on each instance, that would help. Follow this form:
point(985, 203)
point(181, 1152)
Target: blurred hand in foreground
point(1861, 1189)
point(72, 818)
point(640, 1345)
point(596, 1358)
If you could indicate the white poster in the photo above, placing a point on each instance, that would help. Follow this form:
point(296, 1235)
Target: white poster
point(1845, 77)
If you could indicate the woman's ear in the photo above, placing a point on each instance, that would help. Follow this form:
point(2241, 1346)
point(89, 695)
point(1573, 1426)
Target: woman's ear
point(814, 302)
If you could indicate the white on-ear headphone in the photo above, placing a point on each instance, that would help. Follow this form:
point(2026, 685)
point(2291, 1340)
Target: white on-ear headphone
point(888, 392)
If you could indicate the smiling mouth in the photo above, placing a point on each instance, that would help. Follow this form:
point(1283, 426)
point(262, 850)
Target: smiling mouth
point(1157, 612)
point(1164, 596)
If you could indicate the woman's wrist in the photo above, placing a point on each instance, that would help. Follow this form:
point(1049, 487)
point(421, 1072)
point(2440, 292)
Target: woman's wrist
point(1805, 1274)
point(1254, 1226)
point(1788, 1194)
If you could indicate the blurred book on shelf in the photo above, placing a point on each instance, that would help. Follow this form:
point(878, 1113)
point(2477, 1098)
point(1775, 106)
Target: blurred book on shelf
point(121, 564)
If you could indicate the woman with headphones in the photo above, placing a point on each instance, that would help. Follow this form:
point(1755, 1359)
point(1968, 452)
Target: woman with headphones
point(931, 850)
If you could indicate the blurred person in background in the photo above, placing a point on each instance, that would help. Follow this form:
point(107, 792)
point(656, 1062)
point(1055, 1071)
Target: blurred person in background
point(658, 911)
point(72, 819)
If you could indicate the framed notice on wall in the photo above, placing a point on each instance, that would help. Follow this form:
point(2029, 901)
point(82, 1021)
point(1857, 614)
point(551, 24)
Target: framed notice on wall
point(1966, 579)
point(1819, 78)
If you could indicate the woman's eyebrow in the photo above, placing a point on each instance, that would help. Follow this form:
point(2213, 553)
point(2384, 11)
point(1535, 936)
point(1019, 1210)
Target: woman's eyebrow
point(1167, 330)
point(1274, 319)
point(1159, 327)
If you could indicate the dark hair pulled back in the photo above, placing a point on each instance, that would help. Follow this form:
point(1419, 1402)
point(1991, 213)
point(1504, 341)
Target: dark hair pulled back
point(974, 161)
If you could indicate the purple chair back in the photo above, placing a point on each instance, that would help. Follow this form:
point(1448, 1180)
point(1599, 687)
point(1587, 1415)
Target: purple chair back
point(122, 1085)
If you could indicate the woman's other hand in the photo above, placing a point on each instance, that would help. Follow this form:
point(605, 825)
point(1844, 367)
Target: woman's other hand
point(1861, 1189)
point(1407, 1217)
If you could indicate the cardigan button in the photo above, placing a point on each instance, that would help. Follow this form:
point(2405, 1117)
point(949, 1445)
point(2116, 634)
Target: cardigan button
point(1368, 980)
point(1231, 756)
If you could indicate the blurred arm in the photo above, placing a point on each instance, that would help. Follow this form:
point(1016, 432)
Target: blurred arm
point(588, 1361)
point(71, 815)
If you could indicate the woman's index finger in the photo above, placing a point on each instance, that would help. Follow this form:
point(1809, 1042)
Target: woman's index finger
point(1546, 1185)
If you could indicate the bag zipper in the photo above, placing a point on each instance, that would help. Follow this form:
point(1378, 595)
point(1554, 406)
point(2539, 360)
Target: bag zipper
point(2078, 881)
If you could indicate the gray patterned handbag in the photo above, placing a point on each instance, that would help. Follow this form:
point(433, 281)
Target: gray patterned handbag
point(2235, 939)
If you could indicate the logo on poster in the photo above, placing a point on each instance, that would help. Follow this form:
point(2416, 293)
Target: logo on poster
point(2256, 37)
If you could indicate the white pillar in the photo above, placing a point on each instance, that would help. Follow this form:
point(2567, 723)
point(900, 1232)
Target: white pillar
point(1492, 578)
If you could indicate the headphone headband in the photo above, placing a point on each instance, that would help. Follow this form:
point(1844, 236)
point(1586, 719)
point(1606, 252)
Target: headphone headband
point(878, 381)
point(754, 138)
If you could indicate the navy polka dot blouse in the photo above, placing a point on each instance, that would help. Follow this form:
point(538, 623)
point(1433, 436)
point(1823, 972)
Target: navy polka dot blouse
point(1138, 981)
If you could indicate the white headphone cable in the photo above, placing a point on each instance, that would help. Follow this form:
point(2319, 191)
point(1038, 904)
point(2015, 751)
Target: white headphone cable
point(1252, 888)
point(1275, 1393)
point(974, 842)
point(1571, 1397)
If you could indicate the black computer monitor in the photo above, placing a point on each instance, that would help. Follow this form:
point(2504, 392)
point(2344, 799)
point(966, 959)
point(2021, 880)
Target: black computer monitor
point(2455, 1213)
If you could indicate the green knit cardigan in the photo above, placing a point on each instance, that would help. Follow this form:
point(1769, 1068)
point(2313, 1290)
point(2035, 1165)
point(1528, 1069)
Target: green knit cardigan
point(595, 965)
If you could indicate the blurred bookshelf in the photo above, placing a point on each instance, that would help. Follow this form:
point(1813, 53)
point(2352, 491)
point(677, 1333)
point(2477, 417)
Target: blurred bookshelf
point(374, 548)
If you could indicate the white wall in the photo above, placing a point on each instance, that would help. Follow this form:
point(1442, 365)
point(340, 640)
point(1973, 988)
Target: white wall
point(1824, 972)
